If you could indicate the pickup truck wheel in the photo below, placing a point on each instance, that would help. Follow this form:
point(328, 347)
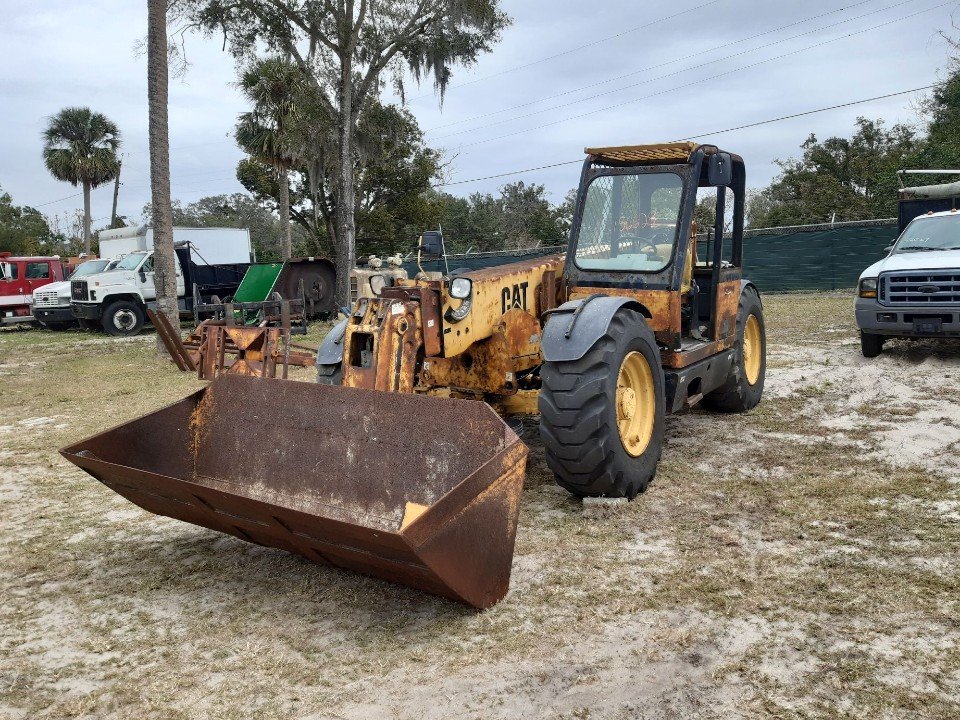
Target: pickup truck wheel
point(602, 416)
point(123, 318)
point(871, 345)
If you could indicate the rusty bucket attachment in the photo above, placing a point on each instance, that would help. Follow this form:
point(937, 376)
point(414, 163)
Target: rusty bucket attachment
point(416, 490)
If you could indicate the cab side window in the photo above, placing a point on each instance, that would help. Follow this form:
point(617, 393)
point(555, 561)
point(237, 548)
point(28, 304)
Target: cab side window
point(38, 271)
point(147, 265)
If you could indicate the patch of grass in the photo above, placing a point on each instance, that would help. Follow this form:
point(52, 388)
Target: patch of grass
point(777, 567)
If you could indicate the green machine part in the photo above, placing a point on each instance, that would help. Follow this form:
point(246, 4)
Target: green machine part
point(258, 283)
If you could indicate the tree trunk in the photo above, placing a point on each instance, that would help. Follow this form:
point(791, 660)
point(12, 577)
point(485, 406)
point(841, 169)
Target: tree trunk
point(86, 217)
point(331, 232)
point(285, 214)
point(164, 260)
point(345, 241)
point(116, 195)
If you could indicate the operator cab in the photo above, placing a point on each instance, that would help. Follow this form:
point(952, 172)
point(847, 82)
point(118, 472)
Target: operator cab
point(634, 234)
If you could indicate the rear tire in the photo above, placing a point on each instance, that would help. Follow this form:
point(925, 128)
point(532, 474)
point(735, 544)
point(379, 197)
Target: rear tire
point(123, 318)
point(588, 418)
point(743, 388)
point(871, 345)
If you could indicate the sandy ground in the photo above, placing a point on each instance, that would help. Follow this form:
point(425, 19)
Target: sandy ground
point(798, 561)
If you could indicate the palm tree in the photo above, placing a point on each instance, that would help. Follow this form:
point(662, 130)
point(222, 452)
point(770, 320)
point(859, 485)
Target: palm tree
point(80, 147)
point(164, 261)
point(271, 85)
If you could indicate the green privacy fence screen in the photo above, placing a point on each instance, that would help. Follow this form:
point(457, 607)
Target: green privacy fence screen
point(814, 257)
point(794, 259)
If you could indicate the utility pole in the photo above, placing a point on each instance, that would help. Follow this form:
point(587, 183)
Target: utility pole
point(116, 194)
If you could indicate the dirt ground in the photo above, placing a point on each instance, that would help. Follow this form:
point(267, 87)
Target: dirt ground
point(798, 561)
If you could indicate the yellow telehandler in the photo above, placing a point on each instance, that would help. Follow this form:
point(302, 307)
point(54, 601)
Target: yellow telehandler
point(392, 466)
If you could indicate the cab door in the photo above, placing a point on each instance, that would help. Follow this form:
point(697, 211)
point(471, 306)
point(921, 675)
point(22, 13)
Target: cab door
point(148, 288)
point(181, 284)
point(14, 290)
point(36, 274)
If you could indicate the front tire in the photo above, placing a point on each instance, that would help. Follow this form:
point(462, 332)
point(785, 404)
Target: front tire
point(743, 388)
point(871, 345)
point(123, 318)
point(602, 416)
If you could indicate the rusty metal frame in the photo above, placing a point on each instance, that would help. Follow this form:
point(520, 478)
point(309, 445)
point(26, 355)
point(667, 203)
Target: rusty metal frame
point(170, 337)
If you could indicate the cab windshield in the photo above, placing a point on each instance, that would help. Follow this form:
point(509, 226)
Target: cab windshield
point(928, 234)
point(629, 222)
point(131, 261)
point(90, 267)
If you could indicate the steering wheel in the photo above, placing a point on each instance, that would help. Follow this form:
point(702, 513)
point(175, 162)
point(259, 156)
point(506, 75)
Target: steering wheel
point(642, 241)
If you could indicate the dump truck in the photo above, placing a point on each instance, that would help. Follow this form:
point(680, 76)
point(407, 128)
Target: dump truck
point(398, 466)
point(118, 299)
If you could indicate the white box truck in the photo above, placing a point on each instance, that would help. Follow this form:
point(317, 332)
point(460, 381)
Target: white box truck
point(211, 246)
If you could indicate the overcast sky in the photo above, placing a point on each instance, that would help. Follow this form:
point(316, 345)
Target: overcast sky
point(537, 99)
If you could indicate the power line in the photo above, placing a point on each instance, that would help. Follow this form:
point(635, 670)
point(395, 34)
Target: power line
point(506, 174)
point(52, 202)
point(813, 112)
point(573, 50)
point(671, 62)
point(706, 79)
point(769, 121)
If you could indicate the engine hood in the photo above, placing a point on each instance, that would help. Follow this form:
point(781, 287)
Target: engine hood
point(62, 288)
point(111, 277)
point(938, 260)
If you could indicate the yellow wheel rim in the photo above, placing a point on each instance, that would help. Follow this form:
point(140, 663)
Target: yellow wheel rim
point(636, 403)
point(752, 349)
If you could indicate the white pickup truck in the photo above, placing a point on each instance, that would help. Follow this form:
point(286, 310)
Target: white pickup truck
point(51, 303)
point(915, 290)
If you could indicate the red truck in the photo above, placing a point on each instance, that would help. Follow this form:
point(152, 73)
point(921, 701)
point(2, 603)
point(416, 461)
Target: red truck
point(19, 277)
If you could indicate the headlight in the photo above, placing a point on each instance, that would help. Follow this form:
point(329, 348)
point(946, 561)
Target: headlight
point(868, 288)
point(377, 284)
point(461, 288)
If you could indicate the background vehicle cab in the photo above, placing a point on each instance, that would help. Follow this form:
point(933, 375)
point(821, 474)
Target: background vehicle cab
point(914, 291)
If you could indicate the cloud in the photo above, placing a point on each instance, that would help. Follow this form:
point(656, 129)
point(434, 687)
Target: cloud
point(65, 53)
